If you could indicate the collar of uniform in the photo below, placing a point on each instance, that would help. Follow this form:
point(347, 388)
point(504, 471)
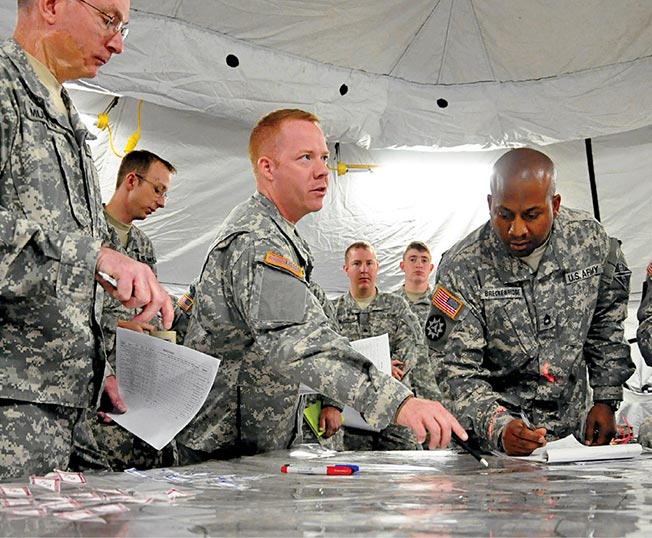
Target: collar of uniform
point(35, 87)
point(285, 225)
point(290, 231)
point(352, 304)
point(423, 298)
point(512, 270)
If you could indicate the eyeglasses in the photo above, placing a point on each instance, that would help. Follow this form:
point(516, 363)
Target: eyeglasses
point(111, 23)
point(158, 190)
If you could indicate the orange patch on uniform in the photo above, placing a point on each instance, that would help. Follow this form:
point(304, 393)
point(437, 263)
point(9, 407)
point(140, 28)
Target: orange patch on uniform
point(284, 263)
point(184, 302)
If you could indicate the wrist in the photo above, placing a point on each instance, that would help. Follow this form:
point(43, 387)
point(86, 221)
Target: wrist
point(400, 407)
point(613, 404)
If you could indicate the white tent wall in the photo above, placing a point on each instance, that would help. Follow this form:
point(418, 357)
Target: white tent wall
point(437, 197)
point(445, 74)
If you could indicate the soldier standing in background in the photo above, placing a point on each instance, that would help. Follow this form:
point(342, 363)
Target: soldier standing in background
point(142, 185)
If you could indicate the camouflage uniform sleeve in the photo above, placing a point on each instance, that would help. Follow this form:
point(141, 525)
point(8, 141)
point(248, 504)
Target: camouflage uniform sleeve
point(606, 350)
point(34, 259)
point(457, 345)
point(293, 333)
point(644, 315)
point(409, 346)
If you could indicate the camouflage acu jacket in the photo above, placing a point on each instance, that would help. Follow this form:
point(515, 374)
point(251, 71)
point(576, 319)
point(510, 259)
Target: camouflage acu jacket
point(504, 339)
point(421, 307)
point(254, 310)
point(644, 315)
point(389, 314)
point(140, 248)
point(51, 230)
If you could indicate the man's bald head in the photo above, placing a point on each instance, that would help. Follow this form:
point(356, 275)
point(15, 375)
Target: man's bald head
point(524, 164)
point(523, 203)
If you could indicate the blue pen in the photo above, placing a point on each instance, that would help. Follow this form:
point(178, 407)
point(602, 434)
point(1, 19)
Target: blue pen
point(354, 468)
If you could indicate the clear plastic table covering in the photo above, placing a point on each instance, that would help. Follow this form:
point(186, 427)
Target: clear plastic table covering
point(429, 493)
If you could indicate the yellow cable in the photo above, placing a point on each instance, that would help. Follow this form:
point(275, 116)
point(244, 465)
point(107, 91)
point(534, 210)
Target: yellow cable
point(135, 136)
point(108, 128)
point(103, 123)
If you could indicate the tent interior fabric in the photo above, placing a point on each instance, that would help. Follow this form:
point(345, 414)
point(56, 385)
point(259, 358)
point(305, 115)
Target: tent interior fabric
point(432, 91)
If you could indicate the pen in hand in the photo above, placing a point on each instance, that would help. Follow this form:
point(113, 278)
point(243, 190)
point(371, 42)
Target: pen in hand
point(464, 445)
point(526, 421)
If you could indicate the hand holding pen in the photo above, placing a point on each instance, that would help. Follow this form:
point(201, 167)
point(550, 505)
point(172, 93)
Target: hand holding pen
point(521, 437)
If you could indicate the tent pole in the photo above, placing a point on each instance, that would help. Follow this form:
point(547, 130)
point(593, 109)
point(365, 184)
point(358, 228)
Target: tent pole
point(594, 189)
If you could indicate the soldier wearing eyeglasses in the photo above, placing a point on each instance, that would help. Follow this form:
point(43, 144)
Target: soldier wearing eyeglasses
point(54, 238)
point(142, 185)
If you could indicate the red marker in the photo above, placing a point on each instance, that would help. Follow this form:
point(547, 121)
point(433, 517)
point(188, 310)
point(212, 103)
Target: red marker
point(339, 470)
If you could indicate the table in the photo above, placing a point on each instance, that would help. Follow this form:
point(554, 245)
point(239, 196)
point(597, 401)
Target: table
point(430, 493)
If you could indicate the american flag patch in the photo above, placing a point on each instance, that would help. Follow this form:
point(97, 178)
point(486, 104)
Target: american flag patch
point(649, 270)
point(184, 302)
point(448, 304)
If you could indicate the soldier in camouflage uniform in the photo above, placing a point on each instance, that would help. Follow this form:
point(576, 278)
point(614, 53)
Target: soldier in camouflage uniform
point(528, 316)
point(142, 184)
point(364, 312)
point(52, 235)
point(644, 340)
point(417, 291)
point(255, 311)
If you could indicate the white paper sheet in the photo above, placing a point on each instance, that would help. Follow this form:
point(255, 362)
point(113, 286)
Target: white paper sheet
point(163, 385)
point(569, 449)
point(376, 349)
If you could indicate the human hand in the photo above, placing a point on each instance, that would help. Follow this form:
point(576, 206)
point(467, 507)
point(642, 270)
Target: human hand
point(136, 286)
point(398, 367)
point(519, 440)
point(330, 421)
point(427, 416)
point(111, 401)
point(600, 425)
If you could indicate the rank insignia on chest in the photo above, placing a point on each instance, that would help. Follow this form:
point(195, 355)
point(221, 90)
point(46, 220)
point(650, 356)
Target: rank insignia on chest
point(447, 303)
point(284, 263)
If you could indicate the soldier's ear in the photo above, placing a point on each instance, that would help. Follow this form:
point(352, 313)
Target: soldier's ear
point(556, 202)
point(130, 181)
point(266, 167)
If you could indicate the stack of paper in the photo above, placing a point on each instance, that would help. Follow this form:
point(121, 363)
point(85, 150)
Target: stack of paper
point(569, 449)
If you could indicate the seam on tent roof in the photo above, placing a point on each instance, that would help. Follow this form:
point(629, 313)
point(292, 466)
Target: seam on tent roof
point(445, 49)
point(484, 45)
point(344, 69)
point(177, 8)
point(416, 34)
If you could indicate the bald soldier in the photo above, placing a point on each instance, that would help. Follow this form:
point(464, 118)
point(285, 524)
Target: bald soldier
point(256, 311)
point(528, 313)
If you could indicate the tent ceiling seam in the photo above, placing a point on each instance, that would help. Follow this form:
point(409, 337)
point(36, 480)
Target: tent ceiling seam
point(482, 39)
point(414, 37)
point(446, 36)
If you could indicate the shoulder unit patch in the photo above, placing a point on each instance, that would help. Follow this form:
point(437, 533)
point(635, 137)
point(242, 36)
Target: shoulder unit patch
point(284, 263)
